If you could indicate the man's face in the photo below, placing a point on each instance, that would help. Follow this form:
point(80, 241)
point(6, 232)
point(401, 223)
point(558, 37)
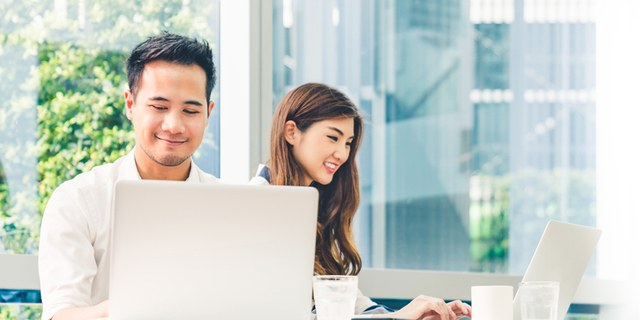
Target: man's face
point(169, 113)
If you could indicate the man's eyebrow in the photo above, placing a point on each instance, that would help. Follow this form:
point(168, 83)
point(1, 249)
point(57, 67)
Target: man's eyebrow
point(194, 103)
point(189, 102)
point(158, 98)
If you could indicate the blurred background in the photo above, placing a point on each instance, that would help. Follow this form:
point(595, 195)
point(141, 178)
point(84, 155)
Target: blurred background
point(484, 118)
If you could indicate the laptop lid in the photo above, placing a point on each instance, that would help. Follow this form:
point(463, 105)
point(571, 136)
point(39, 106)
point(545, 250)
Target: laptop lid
point(182, 250)
point(562, 255)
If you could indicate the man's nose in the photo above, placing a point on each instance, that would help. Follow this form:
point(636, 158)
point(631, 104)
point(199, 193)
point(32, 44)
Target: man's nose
point(173, 123)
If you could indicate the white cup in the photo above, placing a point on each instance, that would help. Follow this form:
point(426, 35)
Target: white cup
point(335, 297)
point(492, 302)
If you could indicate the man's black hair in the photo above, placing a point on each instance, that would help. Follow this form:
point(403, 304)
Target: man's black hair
point(171, 48)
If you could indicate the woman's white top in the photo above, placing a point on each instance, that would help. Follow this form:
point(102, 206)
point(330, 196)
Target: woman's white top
point(364, 305)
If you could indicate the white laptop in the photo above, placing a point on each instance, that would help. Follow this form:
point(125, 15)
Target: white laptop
point(562, 255)
point(201, 251)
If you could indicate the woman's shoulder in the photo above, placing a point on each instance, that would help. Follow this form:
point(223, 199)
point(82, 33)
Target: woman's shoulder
point(262, 176)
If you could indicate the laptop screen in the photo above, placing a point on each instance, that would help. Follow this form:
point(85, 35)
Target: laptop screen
point(562, 255)
point(183, 250)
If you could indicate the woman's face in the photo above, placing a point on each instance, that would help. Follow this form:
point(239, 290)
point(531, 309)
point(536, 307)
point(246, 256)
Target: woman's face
point(322, 148)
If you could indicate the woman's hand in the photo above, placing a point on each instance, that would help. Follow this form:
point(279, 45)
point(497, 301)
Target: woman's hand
point(460, 308)
point(430, 308)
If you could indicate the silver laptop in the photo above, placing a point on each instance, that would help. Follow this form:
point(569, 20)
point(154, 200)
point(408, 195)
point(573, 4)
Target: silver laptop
point(201, 251)
point(562, 255)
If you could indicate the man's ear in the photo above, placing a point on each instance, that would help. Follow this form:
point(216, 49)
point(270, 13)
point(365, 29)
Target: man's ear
point(211, 106)
point(290, 132)
point(128, 99)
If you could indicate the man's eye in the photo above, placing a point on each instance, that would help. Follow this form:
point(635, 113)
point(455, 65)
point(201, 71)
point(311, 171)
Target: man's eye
point(159, 107)
point(191, 112)
point(334, 138)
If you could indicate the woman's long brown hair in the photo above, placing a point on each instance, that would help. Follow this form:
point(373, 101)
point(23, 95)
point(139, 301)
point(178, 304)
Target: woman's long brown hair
point(307, 104)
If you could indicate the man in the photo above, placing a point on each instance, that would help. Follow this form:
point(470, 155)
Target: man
point(170, 81)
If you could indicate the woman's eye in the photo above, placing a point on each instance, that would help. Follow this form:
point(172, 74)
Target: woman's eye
point(334, 138)
point(158, 107)
point(349, 144)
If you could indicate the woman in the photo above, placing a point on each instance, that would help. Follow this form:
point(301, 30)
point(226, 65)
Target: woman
point(315, 135)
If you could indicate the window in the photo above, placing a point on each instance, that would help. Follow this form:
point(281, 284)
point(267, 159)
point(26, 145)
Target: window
point(480, 122)
point(62, 71)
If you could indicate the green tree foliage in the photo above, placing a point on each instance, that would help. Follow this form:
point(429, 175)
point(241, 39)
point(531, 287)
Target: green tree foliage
point(4, 204)
point(17, 207)
point(62, 80)
point(536, 196)
point(66, 59)
point(81, 121)
point(80, 124)
point(19, 312)
point(489, 228)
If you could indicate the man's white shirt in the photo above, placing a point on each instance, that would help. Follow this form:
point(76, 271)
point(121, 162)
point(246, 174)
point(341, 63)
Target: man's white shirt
point(74, 237)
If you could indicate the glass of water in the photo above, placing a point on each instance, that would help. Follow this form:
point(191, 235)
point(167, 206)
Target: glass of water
point(335, 297)
point(539, 300)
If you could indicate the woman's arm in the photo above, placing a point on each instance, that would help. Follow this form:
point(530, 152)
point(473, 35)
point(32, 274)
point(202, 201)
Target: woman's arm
point(425, 307)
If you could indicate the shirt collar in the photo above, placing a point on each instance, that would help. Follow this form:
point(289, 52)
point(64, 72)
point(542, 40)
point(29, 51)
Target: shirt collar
point(130, 171)
point(194, 174)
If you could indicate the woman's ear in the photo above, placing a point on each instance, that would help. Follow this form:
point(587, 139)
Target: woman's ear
point(290, 132)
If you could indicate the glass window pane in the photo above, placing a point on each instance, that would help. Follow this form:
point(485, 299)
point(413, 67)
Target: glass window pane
point(62, 71)
point(480, 121)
